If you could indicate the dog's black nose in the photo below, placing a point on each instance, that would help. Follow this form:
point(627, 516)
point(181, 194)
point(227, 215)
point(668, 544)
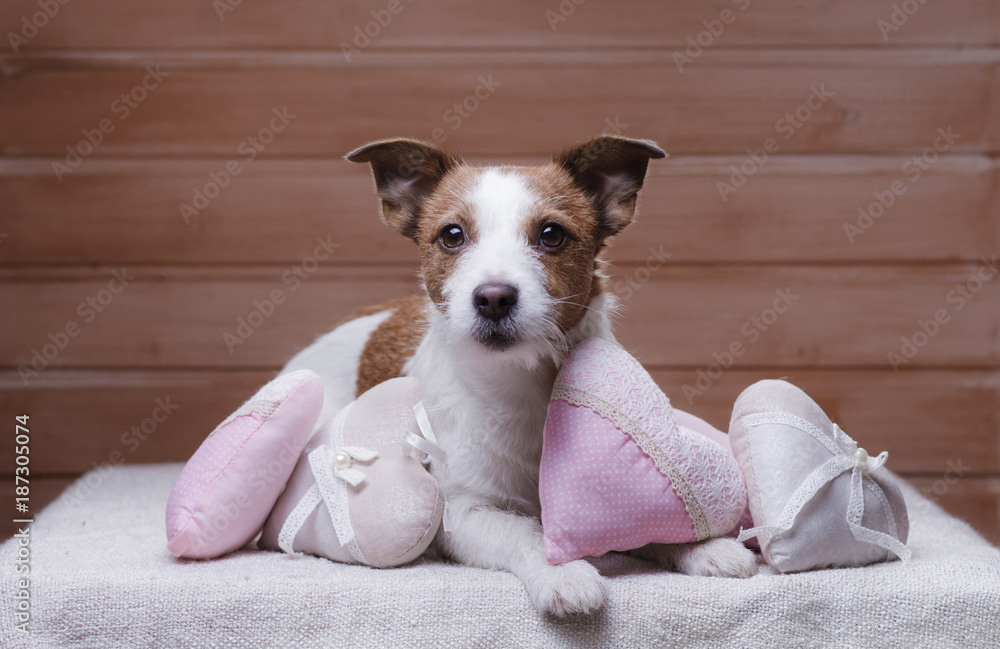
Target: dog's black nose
point(494, 301)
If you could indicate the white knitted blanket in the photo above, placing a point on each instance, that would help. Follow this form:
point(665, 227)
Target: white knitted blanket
point(101, 577)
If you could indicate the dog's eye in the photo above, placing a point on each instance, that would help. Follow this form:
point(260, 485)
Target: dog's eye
point(552, 235)
point(451, 236)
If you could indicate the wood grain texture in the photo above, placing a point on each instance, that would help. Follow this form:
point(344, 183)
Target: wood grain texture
point(794, 209)
point(81, 418)
point(531, 103)
point(449, 24)
point(694, 272)
point(674, 315)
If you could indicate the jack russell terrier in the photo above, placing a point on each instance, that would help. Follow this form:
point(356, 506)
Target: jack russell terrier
point(510, 261)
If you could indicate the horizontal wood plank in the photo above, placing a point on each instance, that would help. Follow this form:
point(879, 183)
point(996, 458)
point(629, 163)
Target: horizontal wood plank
point(794, 209)
point(81, 419)
point(728, 104)
point(674, 315)
point(313, 24)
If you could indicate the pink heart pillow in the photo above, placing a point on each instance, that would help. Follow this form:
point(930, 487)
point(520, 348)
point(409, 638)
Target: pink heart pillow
point(618, 472)
point(225, 491)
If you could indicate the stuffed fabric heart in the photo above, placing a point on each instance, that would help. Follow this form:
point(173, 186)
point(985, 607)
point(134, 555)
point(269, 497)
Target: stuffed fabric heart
point(618, 472)
point(225, 491)
point(361, 493)
point(816, 498)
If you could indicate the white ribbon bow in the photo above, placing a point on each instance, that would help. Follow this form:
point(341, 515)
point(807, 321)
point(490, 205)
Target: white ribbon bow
point(429, 446)
point(846, 457)
point(343, 459)
point(332, 466)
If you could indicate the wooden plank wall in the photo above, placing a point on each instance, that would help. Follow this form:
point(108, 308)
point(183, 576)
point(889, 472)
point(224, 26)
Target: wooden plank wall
point(114, 113)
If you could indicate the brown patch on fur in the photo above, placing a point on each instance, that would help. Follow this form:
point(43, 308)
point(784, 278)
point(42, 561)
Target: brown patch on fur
point(446, 206)
point(393, 342)
point(570, 267)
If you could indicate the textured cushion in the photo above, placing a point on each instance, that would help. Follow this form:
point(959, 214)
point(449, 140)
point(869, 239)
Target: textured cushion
point(393, 512)
point(227, 488)
point(101, 577)
point(816, 499)
point(618, 472)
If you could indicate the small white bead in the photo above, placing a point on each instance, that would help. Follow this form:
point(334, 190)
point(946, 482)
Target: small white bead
point(861, 458)
point(341, 460)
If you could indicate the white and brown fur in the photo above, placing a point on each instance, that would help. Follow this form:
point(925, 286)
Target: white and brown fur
point(485, 379)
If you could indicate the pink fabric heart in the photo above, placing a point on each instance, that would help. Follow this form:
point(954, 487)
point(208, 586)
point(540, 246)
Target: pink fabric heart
point(618, 471)
point(225, 491)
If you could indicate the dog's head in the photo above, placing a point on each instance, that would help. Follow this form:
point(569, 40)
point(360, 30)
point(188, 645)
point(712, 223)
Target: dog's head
point(509, 254)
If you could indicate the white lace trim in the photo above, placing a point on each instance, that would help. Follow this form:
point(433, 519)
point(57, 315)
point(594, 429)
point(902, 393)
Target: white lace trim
point(890, 518)
point(845, 458)
point(335, 491)
point(263, 407)
point(649, 446)
point(605, 369)
point(269, 397)
point(793, 421)
point(330, 491)
point(290, 528)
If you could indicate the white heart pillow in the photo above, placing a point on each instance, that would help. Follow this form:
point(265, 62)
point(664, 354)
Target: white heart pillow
point(817, 499)
point(361, 493)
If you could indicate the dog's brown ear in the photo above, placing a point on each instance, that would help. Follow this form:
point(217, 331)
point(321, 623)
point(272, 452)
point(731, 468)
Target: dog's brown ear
point(406, 173)
point(611, 170)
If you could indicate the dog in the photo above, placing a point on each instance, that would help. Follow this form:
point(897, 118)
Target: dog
point(513, 279)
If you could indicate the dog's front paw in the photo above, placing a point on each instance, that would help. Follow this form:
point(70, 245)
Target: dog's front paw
point(568, 589)
point(718, 558)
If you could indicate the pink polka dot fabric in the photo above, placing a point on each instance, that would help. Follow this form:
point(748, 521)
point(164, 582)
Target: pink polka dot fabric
point(624, 490)
point(226, 490)
point(618, 471)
